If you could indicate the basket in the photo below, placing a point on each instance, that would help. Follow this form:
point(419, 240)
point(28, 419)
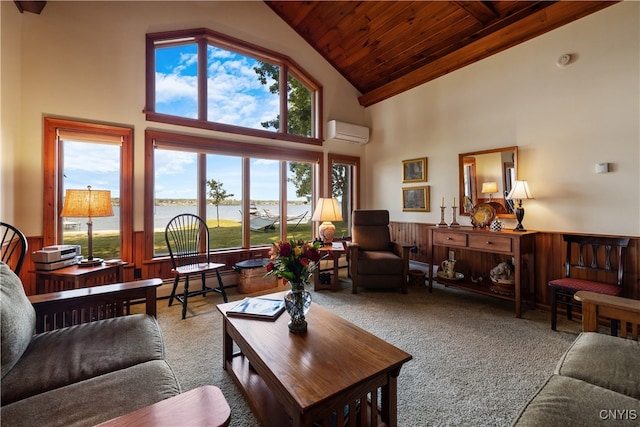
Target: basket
point(416, 277)
point(503, 286)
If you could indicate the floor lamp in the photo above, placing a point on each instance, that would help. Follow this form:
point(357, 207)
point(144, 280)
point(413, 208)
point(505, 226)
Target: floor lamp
point(87, 204)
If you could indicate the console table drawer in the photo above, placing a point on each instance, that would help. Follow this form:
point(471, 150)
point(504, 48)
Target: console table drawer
point(490, 243)
point(450, 239)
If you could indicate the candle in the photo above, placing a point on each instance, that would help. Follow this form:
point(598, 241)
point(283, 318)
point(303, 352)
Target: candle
point(442, 203)
point(454, 201)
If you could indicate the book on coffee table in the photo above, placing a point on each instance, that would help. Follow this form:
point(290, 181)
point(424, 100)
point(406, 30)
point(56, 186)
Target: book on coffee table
point(257, 308)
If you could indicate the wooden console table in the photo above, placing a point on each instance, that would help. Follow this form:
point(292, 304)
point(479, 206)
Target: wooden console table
point(75, 277)
point(506, 245)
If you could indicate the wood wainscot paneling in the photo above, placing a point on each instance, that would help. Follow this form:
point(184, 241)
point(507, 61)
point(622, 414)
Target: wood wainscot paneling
point(27, 276)
point(413, 233)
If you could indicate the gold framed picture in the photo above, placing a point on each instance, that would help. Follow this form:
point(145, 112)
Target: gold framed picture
point(414, 170)
point(415, 199)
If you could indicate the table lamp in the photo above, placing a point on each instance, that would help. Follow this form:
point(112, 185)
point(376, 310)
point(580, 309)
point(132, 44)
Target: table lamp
point(327, 210)
point(90, 204)
point(489, 188)
point(519, 191)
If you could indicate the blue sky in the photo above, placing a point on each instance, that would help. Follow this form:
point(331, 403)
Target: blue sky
point(235, 97)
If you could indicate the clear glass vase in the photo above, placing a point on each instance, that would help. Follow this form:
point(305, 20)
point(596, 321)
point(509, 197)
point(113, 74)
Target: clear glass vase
point(297, 302)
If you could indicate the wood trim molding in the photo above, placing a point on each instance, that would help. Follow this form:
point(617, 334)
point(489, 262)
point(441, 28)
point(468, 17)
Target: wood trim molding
point(52, 227)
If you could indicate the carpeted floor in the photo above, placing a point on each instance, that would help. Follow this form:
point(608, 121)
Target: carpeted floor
point(474, 363)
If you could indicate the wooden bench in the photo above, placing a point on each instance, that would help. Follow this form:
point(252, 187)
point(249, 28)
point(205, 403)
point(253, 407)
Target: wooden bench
point(592, 263)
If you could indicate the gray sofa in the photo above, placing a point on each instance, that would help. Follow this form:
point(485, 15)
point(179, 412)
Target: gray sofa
point(597, 380)
point(84, 374)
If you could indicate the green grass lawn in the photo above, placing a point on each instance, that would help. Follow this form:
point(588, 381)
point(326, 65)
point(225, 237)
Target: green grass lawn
point(228, 235)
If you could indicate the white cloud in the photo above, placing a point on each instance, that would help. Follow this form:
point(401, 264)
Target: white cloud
point(169, 162)
point(172, 87)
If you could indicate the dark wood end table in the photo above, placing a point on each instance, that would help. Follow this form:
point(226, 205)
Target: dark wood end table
point(75, 277)
point(334, 252)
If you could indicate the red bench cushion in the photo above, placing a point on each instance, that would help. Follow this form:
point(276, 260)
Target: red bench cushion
point(586, 285)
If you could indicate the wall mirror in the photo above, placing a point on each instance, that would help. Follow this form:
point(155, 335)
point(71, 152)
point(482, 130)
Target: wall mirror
point(487, 177)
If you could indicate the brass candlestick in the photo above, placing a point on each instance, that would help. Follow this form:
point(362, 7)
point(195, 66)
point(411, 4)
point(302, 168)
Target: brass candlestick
point(442, 222)
point(454, 223)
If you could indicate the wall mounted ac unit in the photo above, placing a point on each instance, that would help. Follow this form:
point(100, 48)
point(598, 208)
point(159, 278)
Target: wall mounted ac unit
point(342, 131)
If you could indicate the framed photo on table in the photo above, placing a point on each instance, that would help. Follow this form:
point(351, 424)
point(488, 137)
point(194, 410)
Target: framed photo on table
point(415, 199)
point(414, 170)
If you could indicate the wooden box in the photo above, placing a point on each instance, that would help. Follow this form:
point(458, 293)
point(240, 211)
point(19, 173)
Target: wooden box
point(252, 276)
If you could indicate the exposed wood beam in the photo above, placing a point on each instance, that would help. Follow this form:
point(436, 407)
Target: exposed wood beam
point(550, 18)
point(30, 6)
point(479, 10)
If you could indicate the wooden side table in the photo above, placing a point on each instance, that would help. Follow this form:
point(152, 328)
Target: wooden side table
point(334, 252)
point(75, 277)
point(203, 406)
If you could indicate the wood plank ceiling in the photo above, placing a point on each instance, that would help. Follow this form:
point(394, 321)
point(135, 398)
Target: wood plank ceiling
point(387, 47)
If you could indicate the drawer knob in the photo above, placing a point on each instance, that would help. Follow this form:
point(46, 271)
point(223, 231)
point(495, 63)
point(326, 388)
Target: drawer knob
point(488, 243)
point(449, 238)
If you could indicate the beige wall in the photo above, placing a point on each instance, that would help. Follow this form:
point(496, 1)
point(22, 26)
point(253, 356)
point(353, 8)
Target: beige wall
point(563, 120)
point(86, 61)
point(9, 111)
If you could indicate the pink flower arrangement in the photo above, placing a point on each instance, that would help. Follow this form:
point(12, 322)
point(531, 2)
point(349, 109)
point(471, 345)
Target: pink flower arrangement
point(293, 261)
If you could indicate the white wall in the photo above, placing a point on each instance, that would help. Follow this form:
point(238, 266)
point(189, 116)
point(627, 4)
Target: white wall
point(563, 120)
point(86, 61)
point(9, 109)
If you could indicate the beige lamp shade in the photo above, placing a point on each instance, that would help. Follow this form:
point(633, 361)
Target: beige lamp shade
point(327, 210)
point(87, 203)
point(490, 187)
point(520, 191)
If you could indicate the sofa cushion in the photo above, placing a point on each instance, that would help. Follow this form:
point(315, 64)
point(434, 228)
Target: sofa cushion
point(603, 360)
point(566, 401)
point(69, 355)
point(97, 399)
point(17, 319)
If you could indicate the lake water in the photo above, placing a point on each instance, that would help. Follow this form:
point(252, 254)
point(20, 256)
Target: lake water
point(163, 215)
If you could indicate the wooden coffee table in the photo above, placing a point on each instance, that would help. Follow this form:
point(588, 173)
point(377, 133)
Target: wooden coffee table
point(329, 374)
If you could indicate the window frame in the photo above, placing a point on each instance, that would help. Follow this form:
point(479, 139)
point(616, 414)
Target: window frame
point(53, 197)
point(218, 146)
point(354, 162)
point(202, 37)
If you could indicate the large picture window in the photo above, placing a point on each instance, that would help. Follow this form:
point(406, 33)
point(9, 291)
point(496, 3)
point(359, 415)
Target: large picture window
point(79, 154)
point(200, 78)
point(247, 200)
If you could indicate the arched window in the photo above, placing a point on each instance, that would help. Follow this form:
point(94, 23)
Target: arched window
point(199, 78)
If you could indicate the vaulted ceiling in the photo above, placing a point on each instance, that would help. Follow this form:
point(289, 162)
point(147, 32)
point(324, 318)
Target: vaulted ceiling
point(384, 48)
point(387, 47)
